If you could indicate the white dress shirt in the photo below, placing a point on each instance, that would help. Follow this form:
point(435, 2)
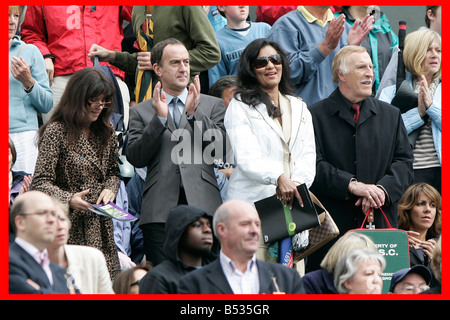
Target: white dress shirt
point(241, 283)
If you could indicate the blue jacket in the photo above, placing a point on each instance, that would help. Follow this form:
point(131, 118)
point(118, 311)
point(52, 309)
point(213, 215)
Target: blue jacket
point(310, 70)
point(412, 119)
point(23, 107)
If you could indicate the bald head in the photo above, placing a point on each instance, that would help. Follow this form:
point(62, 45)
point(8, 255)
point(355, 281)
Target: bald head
point(237, 225)
point(34, 217)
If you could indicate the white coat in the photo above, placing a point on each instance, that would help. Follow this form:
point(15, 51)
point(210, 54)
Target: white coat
point(258, 150)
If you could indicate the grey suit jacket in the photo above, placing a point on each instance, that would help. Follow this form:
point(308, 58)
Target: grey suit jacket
point(175, 155)
point(211, 280)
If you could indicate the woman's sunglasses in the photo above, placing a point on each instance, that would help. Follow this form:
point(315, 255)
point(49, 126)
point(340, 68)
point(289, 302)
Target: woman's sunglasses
point(261, 62)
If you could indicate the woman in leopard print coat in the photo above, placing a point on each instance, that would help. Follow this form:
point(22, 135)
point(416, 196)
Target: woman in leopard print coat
point(78, 160)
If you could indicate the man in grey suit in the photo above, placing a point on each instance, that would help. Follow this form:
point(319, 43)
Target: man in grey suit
point(177, 141)
point(237, 225)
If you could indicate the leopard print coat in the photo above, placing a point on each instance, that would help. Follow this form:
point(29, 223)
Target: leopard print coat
point(63, 169)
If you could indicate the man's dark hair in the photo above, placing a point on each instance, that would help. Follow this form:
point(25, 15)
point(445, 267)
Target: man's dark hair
point(220, 85)
point(158, 49)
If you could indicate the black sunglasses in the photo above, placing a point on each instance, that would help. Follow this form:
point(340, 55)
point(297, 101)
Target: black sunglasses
point(261, 62)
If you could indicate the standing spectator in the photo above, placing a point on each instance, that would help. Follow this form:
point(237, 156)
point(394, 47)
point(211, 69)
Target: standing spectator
point(64, 35)
point(312, 36)
point(369, 163)
point(30, 271)
point(174, 176)
point(419, 214)
point(380, 41)
point(233, 38)
point(422, 58)
point(189, 245)
point(188, 24)
point(78, 162)
point(321, 281)
point(87, 265)
point(29, 93)
point(359, 272)
point(270, 130)
point(236, 223)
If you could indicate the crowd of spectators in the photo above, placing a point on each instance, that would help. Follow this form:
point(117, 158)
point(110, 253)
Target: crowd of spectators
point(189, 116)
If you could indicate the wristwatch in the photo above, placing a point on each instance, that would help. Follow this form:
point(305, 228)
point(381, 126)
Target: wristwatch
point(29, 89)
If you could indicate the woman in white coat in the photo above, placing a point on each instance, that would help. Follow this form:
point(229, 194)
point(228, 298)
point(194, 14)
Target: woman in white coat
point(270, 130)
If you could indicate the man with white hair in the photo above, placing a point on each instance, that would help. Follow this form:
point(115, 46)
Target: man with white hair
point(364, 160)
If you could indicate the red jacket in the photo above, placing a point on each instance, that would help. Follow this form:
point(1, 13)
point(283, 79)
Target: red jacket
point(66, 33)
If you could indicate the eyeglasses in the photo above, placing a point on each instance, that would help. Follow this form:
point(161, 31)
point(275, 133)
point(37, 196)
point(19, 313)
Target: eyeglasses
point(46, 213)
point(261, 62)
point(96, 104)
point(411, 289)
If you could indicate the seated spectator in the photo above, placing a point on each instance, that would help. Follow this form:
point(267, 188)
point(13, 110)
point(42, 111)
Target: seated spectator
point(359, 272)
point(436, 269)
point(321, 281)
point(189, 245)
point(411, 280)
point(30, 271)
point(419, 214)
point(87, 265)
point(127, 281)
point(19, 181)
point(236, 223)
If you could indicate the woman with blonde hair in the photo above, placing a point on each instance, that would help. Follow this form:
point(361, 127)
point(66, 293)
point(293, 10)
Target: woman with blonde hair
point(321, 281)
point(419, 214)
point(422, 118)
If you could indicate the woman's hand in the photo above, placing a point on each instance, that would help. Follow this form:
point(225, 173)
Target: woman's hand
point(427, 246)
point(106, 196)
point(77, 202)
point(21, 72)
point(424, 100)
point(287, 190)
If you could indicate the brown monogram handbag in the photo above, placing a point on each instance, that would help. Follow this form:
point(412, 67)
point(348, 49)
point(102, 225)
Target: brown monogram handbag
point(320, 235)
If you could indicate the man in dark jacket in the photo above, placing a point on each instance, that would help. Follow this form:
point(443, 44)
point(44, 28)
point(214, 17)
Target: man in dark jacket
point(364, 160)
point(189, 244)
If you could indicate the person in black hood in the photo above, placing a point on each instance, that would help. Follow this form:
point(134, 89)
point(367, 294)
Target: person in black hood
point(189, 244)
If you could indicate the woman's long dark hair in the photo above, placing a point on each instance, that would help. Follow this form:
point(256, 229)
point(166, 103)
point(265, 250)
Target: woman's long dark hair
point(85, 84)
point(248, 86)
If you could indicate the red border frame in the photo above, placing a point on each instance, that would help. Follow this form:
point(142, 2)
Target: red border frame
point(3, 176)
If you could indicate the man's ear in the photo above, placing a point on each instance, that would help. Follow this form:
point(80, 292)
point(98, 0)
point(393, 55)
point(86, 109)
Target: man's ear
point(157, 69)
point(220, 228)
point(340, 75)
point(19, 223)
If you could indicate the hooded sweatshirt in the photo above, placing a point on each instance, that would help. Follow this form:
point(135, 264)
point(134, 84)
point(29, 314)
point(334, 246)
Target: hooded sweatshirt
point(164, 277)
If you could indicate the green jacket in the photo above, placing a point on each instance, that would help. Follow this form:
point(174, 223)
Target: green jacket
point(188, 24)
